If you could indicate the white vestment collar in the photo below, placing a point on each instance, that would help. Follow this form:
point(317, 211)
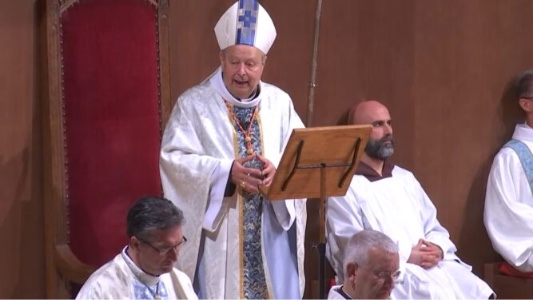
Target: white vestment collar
point(142, 276)
point(523, 132)
point(218, 84)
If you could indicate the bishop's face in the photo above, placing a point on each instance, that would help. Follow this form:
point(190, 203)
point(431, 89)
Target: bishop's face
point(242, 68)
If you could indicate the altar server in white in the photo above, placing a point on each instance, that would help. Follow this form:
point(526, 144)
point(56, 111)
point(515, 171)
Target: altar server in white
point(145, 268)
point(509, 197)
point(385, 197)
point(224, 139)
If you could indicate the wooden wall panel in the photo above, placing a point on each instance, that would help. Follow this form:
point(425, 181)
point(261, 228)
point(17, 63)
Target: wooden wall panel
point(366, 52)
point(193, 45)
point(21, 221)
point(465, 54)
point(441, 66)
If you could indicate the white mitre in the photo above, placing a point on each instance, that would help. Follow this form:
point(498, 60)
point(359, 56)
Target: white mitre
point(246, 22)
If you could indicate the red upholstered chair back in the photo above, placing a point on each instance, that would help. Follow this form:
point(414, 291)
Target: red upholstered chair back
point(107, 98)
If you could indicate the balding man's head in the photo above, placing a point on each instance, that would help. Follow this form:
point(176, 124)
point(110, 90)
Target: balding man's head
point(365, 112)
point(366, 252)
point(380, 144)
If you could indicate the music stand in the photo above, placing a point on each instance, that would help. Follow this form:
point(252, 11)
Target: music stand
point(318, 162)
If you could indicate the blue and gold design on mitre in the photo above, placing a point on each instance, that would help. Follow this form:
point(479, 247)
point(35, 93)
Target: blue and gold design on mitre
point(246, 22)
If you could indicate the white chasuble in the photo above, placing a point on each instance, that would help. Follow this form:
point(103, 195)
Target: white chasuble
point(508, 212)
point(200, 142)
point(122, 279)
point(399, 207)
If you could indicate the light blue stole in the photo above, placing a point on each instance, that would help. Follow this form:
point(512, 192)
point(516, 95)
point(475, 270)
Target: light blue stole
point(526, 158)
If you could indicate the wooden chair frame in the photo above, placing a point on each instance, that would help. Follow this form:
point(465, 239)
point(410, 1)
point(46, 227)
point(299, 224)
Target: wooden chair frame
point(507, 287)
point(62, 267)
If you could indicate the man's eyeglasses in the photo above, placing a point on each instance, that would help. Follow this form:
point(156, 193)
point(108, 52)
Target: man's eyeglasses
point(386, 275)
point(165, 251)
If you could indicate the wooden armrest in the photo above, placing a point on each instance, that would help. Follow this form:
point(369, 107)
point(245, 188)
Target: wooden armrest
point(70, 267)
point(507, 287)
point(491, 270)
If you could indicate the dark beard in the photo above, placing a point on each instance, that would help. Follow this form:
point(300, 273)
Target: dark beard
point(379, 149)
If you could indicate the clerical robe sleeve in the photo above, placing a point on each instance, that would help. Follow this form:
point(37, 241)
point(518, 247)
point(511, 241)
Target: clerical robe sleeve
point(344, 218)
point(433, 230)
point(219, 181)
point(285, 210)
point(90, 293)
point(193, 177)
point(508, 214)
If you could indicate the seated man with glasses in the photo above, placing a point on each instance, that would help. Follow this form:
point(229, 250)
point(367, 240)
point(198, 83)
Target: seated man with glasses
point(145, 268)
point(371, 265)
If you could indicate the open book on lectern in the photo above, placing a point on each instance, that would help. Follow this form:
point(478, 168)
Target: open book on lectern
point(318, 161)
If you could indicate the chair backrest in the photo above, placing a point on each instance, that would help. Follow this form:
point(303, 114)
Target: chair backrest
point(107, 98)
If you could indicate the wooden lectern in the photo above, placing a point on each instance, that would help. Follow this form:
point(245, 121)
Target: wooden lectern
point(319, 163)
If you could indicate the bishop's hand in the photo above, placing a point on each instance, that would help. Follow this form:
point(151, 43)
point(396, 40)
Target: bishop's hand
point(268, 170)
point(246, 178)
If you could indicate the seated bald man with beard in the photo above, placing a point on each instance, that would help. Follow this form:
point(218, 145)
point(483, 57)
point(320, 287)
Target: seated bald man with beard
point(387, 198)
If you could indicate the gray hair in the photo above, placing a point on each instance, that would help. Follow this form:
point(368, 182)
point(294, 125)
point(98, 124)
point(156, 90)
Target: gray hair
point(152, 213)
point(362, 242)
point(523, 84)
